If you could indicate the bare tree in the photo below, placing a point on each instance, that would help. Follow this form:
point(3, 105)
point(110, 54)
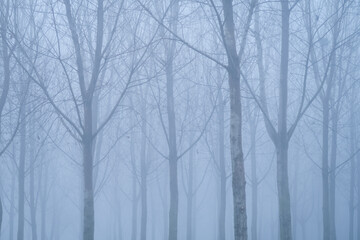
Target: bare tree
point(81, 126)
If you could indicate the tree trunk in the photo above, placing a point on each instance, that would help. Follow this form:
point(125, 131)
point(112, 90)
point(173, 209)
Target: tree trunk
point(174, 192)
point(238, 171)
point(6, 71)
point(174, 200)
point(332, 172)
point(190, 195)
point(21, 176)
point(166, 207)
point(43, 192)
point(282, 141)
point(303, 230)
point(295, 221)
point(283, 192)
point(166, 223)
point(1, 213)
point(12, 199)
point(118, 229)
point(32, 185)
point(87, 144)
point(325, 168)
point(134, 210)
point(154, 213)
point(358, 195)
point(222, 210)
point(32, 204)
point(237, 158)
point(352, 169)
point(254, 181)
point(143, 175)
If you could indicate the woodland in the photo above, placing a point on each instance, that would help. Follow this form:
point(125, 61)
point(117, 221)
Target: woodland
point(179, 119)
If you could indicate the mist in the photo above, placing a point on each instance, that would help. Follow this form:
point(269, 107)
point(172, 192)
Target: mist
point(179, 119)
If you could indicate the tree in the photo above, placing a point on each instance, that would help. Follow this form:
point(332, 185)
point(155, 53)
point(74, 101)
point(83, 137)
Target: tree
point(282, 135)
point(6, 52)
point(227, 33)
point(81, 125)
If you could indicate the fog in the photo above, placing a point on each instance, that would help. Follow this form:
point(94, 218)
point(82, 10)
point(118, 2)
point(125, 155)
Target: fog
point(179, 119)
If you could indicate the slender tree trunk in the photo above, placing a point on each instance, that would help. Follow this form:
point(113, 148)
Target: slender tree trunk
point(143, 169)
point(134, 209)
point(174, 192)
point(173, 171)
point(1, 213)
point(254, 181)
point(154, 213)
point(21, 176)
point(87, 144)
point(55, 228)
point(12, 207)
point(32, 204)
point(237, 158)
point(332, 172)
point(43, 193)
point(6, 70)
point(174, 201)
point(238, 170)
point(32, 185)
point(303, 230)
point(358, 195)
point(118, 223)
point(325, 168)
point(222, 210)
point(12, 199)
point(166, 208)
point(329, 187)
point(352, 169)
point(284, 194)
point(194, 212)
point(190, 195)
point(282, 141)
point(295, 200)
point(134, 191)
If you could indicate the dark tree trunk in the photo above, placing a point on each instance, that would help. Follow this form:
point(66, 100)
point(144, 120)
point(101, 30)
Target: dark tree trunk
point(325, 168)
point(32, 204)
point(43, 192)
point(174, 201)
point(12, 207)
point(134, 210)
point(352, 169)
point(32, 184)
point(237, 159)
point(358, 195)
point(282, 141)
point(87, 144)
point(143, 169)
point(21, 176)
point(254, 181)
point(303, 230)
point(283, 192)
point(190, 196)
point(173, 171)
point(238, 171)
point(222, 209)
point(6, 71)
point(332, 175)
point(295, 221)
point(165, 203)
point(1, 213)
